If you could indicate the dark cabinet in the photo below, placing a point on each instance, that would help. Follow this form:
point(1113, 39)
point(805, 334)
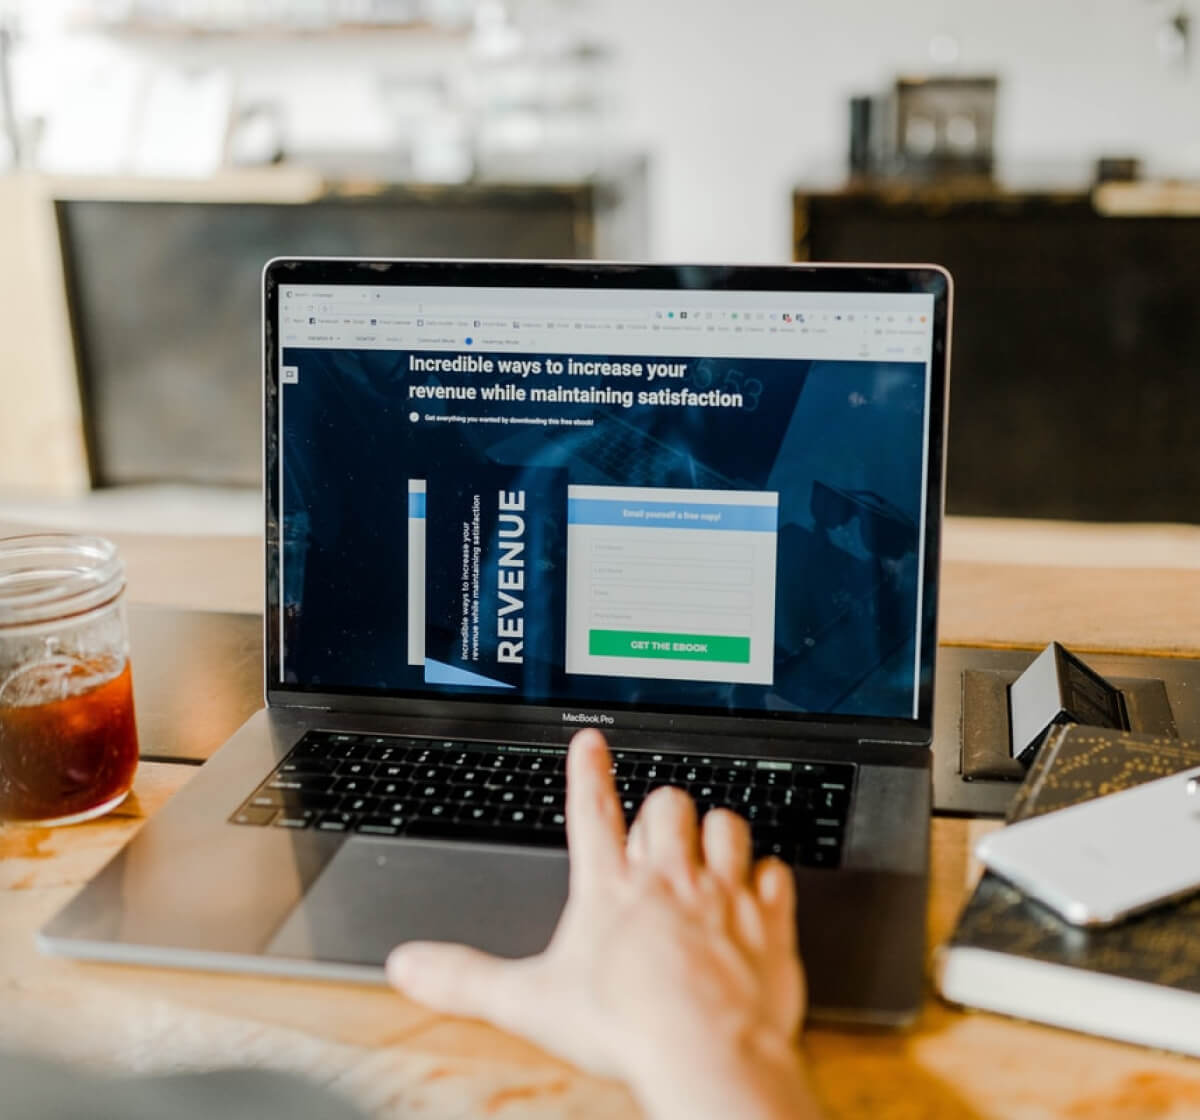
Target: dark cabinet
point(1075, 371)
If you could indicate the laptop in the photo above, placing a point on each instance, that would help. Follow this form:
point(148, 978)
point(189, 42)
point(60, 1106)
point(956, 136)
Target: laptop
point(460, 575)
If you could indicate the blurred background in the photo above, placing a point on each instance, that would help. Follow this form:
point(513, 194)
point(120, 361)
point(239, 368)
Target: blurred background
point(154, 153)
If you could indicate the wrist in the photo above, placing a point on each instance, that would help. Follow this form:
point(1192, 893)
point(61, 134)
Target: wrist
point(749, 1072)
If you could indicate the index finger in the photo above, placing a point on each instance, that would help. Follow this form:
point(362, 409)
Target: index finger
point(595, 824)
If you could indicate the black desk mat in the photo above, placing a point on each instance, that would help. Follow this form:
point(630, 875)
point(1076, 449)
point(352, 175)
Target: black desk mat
point(1163, 694)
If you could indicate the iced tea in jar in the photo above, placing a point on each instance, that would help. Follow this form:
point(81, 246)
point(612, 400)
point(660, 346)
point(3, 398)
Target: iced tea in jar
point(68, 740)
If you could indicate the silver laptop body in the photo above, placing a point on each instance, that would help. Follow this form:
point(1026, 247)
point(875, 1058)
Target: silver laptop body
point(698, 507)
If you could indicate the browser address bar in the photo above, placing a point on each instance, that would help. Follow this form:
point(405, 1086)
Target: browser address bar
point(536, 314)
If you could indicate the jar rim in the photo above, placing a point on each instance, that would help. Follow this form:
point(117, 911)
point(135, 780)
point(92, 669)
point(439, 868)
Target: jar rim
point(47, 576)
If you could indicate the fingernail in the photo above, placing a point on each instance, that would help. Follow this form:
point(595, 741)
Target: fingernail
point(771, 884)
point(401, 965)
point(587, 739)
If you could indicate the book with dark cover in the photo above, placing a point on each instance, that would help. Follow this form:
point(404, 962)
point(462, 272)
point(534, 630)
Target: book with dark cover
point(1138, 981)
point(1078, 763)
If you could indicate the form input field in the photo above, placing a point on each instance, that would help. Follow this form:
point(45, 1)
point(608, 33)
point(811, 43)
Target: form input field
point(717, 622)
point(685, 553)
point(692, 575)
point(622, 594)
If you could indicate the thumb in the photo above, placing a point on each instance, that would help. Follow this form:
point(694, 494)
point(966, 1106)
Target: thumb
point(455, 979)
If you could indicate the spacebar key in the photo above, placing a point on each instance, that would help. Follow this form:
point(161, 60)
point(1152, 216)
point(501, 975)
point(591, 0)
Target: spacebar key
point(486, 833)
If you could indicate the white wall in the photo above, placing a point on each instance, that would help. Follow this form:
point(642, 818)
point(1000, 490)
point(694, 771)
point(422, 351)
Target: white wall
point(738, 100)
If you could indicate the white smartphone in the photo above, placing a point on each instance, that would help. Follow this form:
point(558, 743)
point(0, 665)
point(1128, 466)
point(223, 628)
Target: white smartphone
point(1103, 860)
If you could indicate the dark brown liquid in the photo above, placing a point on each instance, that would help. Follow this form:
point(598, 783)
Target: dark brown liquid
point(67, 756)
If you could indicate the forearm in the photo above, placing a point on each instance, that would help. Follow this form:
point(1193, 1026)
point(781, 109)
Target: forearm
point(753, 1078)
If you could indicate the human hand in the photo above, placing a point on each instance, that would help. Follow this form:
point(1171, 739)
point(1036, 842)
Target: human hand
point(673, 967)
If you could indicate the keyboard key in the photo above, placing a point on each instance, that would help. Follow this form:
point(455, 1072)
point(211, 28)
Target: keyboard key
point(298, 783)
point(254, 815)
point(292, 799)
point(808, 773)
point(352, 785)
point(488, 833)
point(336, 822)
point(380, 826)
point(810, 856)
point(772, 778)
point(432, 814)
point(832, 800)
point(288, 819)
point(773, 842)
point(475, 814)
point(357, 770)
point(511, 779)
point(387, 750)
point(309, 748)
point(307, 766)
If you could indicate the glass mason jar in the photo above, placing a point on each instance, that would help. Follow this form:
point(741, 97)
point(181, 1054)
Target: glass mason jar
point(68, 740)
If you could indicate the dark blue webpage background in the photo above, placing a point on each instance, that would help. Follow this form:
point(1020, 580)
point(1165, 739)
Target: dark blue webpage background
point(840, 441)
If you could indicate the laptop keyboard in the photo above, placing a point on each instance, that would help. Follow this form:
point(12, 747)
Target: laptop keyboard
point(389, 785)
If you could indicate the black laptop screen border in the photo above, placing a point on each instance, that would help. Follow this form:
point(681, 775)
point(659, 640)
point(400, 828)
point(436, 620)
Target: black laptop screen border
point(857, 279)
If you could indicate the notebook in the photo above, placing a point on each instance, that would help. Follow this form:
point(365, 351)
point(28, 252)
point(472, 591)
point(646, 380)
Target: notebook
point(1138, 981)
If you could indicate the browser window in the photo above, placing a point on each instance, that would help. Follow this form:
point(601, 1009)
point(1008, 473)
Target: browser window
point(674, 500)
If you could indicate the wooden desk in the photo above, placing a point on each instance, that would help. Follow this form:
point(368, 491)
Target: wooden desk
point(398, 1059)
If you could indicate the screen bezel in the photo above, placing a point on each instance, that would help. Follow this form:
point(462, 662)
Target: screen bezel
point(866, 279)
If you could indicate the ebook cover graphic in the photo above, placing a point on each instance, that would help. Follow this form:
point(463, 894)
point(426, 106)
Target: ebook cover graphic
point(495, 578)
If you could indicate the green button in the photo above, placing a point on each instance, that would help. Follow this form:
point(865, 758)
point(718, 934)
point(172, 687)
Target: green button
point(671, 647)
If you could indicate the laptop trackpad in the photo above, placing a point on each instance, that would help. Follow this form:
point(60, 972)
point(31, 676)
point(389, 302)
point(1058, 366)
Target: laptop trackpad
point(377, 893)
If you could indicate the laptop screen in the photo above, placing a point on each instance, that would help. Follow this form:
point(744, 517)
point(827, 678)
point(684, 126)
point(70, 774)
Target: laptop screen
point(702, 500)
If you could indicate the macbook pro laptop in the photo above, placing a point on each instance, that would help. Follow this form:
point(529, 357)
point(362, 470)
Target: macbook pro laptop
point(698, 507)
